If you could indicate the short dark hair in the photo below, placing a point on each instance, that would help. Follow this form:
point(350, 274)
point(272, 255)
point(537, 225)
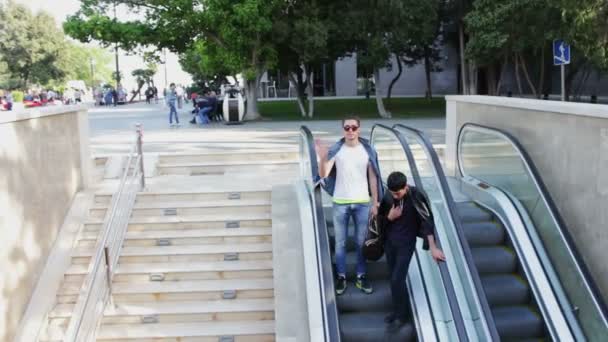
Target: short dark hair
point(351, 117)
point(396, 181)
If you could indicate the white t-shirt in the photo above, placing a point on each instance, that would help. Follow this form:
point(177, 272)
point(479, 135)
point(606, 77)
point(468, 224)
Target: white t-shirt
point(351, 177)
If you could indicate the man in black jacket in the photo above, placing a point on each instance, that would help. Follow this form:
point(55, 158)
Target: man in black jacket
point(403, 215)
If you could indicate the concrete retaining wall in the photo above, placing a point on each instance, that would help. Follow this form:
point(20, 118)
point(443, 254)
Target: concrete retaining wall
point(568, 143)
point(44, 161)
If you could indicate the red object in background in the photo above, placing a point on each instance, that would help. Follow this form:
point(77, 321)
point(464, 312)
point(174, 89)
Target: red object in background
point(31, 104)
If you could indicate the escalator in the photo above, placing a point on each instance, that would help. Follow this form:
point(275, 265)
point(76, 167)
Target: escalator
point(519, 270)
point(515, 312)
point(434, 309)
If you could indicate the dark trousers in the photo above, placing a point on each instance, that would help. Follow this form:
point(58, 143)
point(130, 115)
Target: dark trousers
point(398, 256)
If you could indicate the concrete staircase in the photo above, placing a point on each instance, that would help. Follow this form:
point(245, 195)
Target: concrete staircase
point(196, 265)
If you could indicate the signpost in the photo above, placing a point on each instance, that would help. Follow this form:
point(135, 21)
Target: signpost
point(561, 57)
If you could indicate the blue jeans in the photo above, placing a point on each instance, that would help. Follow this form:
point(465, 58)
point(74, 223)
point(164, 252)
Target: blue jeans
point(342, 215)
point(172, 111)
point(204, 118)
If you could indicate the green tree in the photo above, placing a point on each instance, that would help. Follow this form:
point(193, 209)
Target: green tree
point(31, 45)
point(241, 30)
point(386, 26)
point(518, 31)
point(312, 33)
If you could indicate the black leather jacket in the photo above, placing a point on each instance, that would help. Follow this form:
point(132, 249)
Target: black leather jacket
point(426, 223)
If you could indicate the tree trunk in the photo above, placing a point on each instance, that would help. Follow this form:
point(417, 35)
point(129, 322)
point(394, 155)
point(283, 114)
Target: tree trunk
point(472, 78)
point(527, 75)
point(427, 70)
point(541, 83)
point(299, 94)
point(463, 63)
point(400, 67)
point(501, 75)
point(251, 92)
point(517, 78)
point(311, 95)
point(491, 79)
point(381, 110)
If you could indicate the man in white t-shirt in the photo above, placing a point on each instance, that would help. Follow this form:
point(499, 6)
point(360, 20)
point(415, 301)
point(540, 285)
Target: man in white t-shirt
point(352, 177)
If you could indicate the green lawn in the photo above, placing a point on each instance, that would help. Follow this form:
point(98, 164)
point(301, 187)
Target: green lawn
point(364, 108)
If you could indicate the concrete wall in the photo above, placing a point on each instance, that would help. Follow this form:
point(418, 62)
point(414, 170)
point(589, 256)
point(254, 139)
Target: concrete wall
point(568, 143)
point(44, 161)
point(346, 76)
point(412, 81)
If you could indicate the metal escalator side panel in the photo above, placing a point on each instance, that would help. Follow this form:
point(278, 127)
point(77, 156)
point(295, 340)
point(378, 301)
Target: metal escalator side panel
point(539, 272)
point(496, 157)
point(320, 253)
point(447, 321)
point(465, 275)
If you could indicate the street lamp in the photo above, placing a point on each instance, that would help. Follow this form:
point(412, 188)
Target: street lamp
point(92, 61)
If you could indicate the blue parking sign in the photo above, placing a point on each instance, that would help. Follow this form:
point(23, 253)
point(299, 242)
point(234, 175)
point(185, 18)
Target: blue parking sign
point(561, 52)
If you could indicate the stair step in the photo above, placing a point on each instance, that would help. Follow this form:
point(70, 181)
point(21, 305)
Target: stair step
point(185, 290)
point(470, 212)
point(207, 196)
point(498, 259)
point(355, 300)
point(260, 331)
point(505, 289)
point(165, 312)
point(142, 272)
point(370, 327)
point(192, 208)
point(221, 168)
point(182, 253)
point(486, 233)
point(190, 222)
point(518, 323)
point(223, 156)
point(188, 236)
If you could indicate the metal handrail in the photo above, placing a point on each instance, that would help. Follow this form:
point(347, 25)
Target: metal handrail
point(331, 324)
point(444, 272)
point(98, 279)
point(453, 216)
point(549, 203)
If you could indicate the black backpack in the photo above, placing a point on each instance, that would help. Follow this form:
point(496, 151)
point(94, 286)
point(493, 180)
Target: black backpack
point(373, 247)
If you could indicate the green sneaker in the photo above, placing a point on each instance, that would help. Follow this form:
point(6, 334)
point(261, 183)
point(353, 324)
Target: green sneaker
point(363, 284)
point(340, 285)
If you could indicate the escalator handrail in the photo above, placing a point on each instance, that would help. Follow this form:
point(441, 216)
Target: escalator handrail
point(445, 275)
point(331, 324)
point(550, 204)
point(456, 222)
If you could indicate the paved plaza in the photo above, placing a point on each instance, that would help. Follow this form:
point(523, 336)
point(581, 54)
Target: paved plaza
point(111, 129)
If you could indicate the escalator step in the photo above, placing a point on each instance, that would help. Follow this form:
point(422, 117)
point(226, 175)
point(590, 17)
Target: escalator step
point(469, 212)
point(484, 233)
point(370, 327)
point(354, 300)
point(497, 259)
point(505, 289)
point(518, 323)
point(376, 270)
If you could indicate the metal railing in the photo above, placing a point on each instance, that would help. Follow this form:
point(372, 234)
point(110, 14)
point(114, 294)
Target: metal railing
point(443, 269)
point(331, 324)
point(454, 220)
point(97, 287)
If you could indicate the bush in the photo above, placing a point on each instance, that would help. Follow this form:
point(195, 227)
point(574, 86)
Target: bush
point(17, 96)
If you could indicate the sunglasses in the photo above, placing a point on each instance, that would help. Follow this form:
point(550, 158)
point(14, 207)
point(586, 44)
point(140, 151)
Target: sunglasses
point(351, 128)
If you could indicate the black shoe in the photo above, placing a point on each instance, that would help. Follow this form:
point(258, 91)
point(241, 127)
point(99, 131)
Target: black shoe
point(193, 121)
point(395, 325)
point(390, 318)
point(363, 284)
point(340, 285)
